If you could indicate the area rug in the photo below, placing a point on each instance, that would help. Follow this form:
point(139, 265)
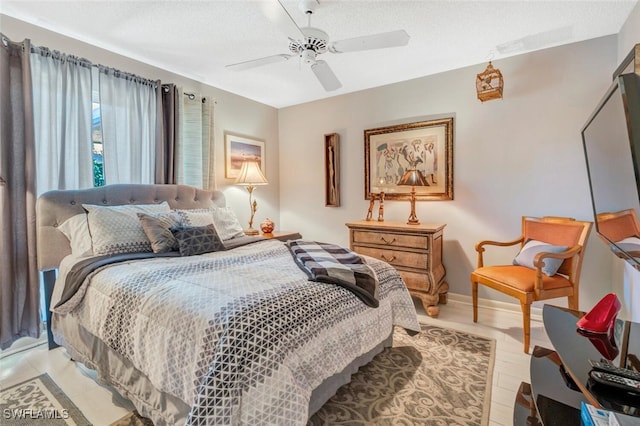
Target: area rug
point(437, 377)
point(132, 419)
point(38, 401)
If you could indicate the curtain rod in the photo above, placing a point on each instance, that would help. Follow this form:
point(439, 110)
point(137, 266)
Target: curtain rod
point(191, 96)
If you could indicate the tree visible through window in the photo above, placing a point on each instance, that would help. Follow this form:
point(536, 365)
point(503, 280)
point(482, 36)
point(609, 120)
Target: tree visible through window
point(96, 139)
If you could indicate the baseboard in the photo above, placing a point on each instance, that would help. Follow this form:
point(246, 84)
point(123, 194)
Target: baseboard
point(536, 312)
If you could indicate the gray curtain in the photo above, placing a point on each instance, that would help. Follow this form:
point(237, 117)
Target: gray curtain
point(19, 279)
point(168, 134)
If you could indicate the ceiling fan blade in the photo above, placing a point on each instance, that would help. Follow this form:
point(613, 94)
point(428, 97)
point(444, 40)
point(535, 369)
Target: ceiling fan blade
point(374, 41)
point(536, 41)
point(240, 66)
point(326, 76)
point(276, 13)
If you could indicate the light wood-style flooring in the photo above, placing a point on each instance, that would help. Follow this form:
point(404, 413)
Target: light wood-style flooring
point(102, 406)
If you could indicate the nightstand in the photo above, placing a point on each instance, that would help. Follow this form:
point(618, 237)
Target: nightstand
point(414, 250)
point(282, 235)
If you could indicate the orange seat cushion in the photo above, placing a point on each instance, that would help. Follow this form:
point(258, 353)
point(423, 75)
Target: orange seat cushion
point(518, 277)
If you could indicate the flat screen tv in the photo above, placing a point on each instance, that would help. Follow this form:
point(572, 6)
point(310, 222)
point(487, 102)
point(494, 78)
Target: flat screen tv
point(611, 141)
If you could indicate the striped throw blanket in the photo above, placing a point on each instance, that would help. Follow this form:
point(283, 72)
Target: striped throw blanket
point(333, 264)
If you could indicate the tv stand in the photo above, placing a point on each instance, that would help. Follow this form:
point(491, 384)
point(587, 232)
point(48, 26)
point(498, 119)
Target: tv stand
point(560, 377)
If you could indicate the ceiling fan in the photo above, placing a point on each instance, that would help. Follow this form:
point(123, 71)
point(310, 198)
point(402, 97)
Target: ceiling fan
point(307, 43)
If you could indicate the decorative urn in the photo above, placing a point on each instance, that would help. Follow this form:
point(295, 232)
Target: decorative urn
point(267, 226)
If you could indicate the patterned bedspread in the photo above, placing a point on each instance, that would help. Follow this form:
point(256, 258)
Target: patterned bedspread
point(242, 336)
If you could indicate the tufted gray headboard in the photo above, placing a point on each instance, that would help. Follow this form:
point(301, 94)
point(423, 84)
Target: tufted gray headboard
point(54, 207)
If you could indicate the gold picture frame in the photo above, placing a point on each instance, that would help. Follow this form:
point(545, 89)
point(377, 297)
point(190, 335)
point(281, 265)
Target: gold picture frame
point(390, 151)
point(238, 148)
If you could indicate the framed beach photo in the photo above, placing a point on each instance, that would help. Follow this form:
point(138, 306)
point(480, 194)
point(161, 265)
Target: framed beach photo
point(425, 145)
point(238, 149)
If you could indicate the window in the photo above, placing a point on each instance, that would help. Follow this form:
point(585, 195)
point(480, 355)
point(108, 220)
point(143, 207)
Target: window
point(97, 151)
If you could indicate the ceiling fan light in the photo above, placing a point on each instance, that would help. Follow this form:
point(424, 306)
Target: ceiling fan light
point(308, 56)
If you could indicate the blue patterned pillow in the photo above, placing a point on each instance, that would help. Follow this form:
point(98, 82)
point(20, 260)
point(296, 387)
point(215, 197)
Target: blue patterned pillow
point(194, 240)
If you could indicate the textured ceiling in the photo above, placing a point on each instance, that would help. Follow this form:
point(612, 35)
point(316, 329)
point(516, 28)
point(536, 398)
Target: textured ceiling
point(198, 38)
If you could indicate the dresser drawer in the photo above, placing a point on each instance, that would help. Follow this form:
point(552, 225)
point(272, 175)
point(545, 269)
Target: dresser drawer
point(395, 257)
point(391, 239)
point(415, 281)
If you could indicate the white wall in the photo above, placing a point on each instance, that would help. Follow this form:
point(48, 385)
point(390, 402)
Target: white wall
point(232, 113)
point(629, 34)
point(518, 156)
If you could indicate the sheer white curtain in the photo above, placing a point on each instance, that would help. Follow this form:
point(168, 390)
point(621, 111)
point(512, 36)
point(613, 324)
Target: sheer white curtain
point(128, 109)
point(62, 118)
point(194, 149)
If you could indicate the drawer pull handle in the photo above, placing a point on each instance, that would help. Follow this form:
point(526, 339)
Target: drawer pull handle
point(391, 259)
point(393, 240)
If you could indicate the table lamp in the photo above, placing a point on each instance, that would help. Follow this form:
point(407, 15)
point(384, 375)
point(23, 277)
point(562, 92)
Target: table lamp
point(250, 176)
point(413, 177)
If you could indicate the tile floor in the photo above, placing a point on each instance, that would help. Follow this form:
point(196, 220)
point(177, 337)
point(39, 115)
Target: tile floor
point(102, 406)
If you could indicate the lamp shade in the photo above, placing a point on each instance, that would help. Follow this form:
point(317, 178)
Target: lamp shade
point(250, 174)
point(413, 177)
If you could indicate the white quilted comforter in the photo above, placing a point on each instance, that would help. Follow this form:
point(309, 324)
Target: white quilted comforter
point(241, 336)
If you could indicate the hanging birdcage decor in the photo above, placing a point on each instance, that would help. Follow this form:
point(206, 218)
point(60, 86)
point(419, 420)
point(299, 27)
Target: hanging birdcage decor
point(489, 84)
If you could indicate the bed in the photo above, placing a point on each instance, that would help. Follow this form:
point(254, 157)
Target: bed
point(238, 335)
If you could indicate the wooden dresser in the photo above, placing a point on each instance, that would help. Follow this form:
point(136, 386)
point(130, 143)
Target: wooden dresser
point(414, 250)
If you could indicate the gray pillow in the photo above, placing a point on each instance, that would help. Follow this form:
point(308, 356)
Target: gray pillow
point(117, 229)
point(157, 227)
point(194, 240)
point(533, 247)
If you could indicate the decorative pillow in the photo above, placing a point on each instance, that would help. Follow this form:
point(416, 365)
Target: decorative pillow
point(157, 228)
point(196, 217)
point(76, 229)
point(533, 247)
point(630, 245)
point(194, 240)
point(226, 223)
point(117, 229)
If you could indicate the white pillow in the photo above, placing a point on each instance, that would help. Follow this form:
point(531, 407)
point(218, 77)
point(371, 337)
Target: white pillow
point(533, 247)
point(226, 223)
point(117, 229)
point(629, 244)
point(196, 217)
point(76, 229)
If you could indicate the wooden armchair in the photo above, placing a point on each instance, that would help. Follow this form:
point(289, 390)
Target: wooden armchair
point(565, 239)
point(617, 227)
